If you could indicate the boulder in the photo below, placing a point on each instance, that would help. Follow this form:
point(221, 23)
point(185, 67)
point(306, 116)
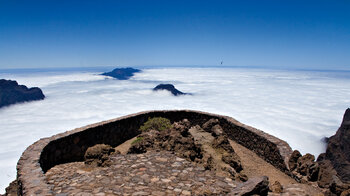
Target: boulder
point(326, 174)
point(276, 187)
point(217, 130)
point(233, 160)
point(222, 142)
point(337, 186)
point(207, 126)
point(304, 168)
point(141, 144)
point(313, 172)
point(122, 73)
point(231, 171)
point(98, 155)
point(11, 93)
point(338, 149)
point(254, 186)
point(242, 176)
point(304, 163)
point(182, 127)
point(171, 88)
point(293, 160)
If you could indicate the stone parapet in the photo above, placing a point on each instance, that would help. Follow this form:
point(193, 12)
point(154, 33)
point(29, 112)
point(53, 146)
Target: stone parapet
point(70, 146)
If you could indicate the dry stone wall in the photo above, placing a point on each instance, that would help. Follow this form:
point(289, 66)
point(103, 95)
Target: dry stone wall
point(71, 145)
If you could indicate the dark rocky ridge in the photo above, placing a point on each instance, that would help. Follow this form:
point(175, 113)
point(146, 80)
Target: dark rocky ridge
point(338, 149)
point(331, 170)
point(11, 93)
point(171, 88)
point(122, 73)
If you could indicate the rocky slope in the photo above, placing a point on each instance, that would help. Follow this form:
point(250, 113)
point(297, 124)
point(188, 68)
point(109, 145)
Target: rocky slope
point(122, 73)
point(11, 93)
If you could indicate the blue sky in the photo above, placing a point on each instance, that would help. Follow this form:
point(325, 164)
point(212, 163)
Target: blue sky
point(284, 34)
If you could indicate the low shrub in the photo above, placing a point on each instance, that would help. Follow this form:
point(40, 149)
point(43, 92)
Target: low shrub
point(138, 139)
point(156, 123)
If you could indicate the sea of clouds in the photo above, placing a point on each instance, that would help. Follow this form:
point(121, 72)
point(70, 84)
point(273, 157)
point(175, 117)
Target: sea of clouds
point(300, 107)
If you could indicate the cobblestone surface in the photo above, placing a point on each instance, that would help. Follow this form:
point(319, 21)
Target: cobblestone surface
point(152, 173)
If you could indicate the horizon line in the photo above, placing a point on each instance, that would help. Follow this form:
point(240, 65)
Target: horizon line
point(89, 68)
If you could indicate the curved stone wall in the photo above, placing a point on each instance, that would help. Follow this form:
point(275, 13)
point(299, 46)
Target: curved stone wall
point(71, 145)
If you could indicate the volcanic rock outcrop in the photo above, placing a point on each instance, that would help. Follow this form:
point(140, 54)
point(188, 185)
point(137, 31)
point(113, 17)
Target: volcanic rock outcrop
point(334, 172)
point(304, 168)
point(192, 143)
point(338, 149)
point(171, 88)
point(332, 169)
point(11, 93)
point(122, 73)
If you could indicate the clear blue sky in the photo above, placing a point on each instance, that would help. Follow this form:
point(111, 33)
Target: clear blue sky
point(284, 33)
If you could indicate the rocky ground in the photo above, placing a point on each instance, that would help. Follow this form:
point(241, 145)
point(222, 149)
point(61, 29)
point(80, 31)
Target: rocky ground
point(151, 173)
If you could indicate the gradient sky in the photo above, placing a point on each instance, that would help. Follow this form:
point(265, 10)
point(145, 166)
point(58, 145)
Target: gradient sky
point(285, 34)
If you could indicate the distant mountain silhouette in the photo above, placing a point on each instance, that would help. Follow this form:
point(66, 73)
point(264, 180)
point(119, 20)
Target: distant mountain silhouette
point(171, 88)
point(122, 73)
point(11, 93)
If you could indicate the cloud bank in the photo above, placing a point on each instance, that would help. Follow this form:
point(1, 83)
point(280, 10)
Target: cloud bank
point(298, 107)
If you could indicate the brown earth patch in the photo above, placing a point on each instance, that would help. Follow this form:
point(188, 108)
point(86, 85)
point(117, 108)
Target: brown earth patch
point(255, 166)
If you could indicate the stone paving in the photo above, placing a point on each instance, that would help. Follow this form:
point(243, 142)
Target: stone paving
point(152, 173)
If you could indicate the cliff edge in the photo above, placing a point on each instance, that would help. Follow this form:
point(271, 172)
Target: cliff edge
point(338, 149)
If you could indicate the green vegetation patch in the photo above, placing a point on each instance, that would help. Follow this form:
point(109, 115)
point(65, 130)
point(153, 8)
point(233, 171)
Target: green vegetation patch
point(156, 123)
point(138, 139)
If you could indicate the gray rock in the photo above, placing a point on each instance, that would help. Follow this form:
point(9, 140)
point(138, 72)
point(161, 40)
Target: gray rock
point(258, 185)
point(209, 124)
point(304, 163)
point(217, 130)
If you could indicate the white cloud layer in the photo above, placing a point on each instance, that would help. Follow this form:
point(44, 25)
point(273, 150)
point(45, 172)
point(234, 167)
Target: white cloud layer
point(298, 107)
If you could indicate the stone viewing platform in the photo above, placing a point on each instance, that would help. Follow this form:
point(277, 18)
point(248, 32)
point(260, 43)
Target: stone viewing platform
point(177, 152)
